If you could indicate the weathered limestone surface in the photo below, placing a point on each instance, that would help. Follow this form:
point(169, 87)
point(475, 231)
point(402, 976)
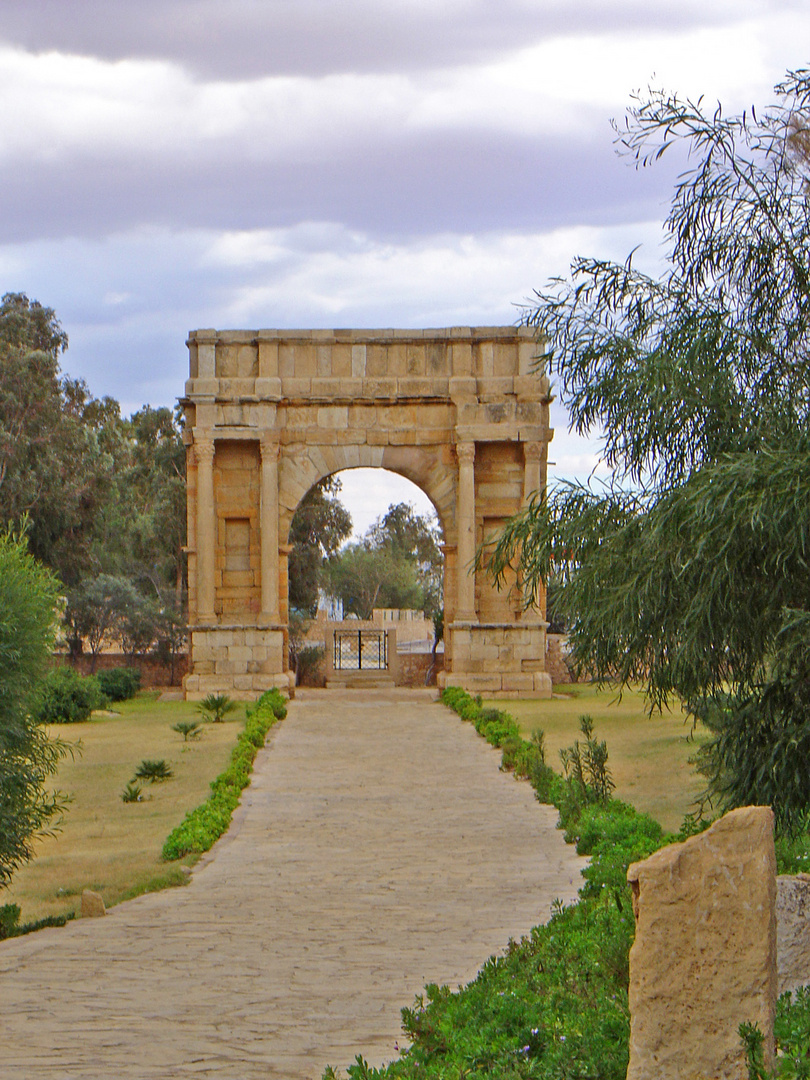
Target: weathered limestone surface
point(704, 956)
point(92, 904)
point(793, 931)
point(269, 413)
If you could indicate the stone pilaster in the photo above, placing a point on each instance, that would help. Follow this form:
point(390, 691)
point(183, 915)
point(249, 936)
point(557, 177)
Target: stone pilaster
point(206, 526)
point(534, 482)
point(533, 453)
point(269, 532)
point(465, 520)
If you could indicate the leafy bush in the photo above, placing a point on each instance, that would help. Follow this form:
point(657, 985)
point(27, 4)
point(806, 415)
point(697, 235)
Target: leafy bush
point(275, 701)
point(132, 793)
point(66, 697)
point(204, 825)
point(119, 684)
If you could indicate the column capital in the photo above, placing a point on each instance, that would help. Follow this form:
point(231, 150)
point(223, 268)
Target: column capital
point(269, 447)
point(532, 451)
point(204, 449)
point(465, 452)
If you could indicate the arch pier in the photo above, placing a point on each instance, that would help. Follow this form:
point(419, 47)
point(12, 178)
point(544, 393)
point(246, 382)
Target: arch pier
point(269, 413)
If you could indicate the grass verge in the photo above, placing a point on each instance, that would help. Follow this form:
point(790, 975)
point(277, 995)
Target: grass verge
point(649, 755)
point(204, 824)
point(104, 843)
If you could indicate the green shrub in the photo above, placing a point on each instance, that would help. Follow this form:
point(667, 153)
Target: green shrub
point(119, 684)
point(132, 793)
point(66, 697)
point(204, 825)
point(275, 701)
point(189, 729)
point(10, 925)
point(153, 771)
point(215, 707)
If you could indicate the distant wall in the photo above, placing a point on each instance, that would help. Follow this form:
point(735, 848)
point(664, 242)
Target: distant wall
point(153, 672)
point(413, 667)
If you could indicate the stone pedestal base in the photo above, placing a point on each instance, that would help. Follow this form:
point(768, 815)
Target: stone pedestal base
point(499, 660)
point(240, 661)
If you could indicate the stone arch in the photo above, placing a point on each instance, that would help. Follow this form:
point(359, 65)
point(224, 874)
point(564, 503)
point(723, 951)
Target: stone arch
point(417, 464)
point(269, 413)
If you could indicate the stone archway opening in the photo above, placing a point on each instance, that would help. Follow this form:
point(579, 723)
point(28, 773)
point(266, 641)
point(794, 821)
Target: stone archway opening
point(461, 412)
point(370, 609)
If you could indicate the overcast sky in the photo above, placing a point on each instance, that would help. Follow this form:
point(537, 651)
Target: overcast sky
point(173, 164)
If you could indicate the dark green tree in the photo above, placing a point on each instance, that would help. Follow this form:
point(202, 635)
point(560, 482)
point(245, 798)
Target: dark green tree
point(364, 577)
point(689, 571)
point(55, 469)
point(319, 526)
point(29, 596)
point(417, 539)
point(397, 564)
point(101, 609)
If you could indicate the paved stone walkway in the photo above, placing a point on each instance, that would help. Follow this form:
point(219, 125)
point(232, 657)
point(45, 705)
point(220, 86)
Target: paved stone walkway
point(378, 849)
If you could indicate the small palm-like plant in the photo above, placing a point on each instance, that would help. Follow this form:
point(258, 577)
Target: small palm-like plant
point(189, 729)
point(153, 771)
point(215, 707)
point(132, 793)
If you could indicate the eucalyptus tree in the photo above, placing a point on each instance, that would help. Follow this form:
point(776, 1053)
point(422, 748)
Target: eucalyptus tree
point(690, 570)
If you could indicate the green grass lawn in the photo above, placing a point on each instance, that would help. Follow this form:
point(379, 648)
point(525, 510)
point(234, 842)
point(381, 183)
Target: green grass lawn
point(648, 755)
point(104, 843)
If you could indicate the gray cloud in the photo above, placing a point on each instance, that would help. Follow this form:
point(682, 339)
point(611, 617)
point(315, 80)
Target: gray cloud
point(408, 185)
point(245, 38)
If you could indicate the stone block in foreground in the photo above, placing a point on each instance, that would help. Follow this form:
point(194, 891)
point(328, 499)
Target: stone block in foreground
point(793, 931)
point(704, 956)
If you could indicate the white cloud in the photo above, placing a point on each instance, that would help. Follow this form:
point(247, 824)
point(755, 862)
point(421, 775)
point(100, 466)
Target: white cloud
point(55, 104)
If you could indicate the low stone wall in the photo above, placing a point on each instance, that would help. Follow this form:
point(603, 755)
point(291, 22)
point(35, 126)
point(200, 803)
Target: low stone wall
point(153, 672)
point(413, 667)
point(556, 652)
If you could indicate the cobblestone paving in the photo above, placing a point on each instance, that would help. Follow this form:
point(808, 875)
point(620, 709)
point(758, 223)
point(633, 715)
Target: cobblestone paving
point(378, 849)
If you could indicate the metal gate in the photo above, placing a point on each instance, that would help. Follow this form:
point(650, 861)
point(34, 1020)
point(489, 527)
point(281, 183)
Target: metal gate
point(361, 650)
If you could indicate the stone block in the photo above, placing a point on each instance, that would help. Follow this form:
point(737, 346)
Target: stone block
point(792, 931)
point(542, 684)
point(497, 386)
point(238, 579)
point(269, 389)
point(414, 386)
point(243, 682)
point(481, 683)
point(92, 905)
point(518, 682)
point(704, 956)
point(294, 387)
point(333, 416)
point(379, 388)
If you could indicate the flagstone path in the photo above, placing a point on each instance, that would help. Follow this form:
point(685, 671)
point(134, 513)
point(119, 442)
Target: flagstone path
point(378, 848)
